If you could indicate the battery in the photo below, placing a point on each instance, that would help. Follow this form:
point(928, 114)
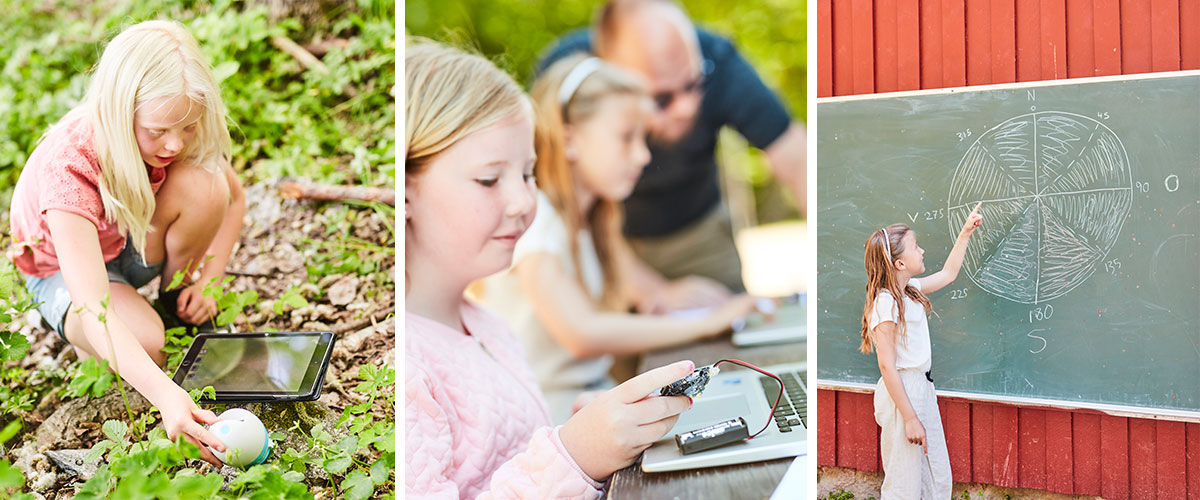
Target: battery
point(691, 385)
point(718, 434)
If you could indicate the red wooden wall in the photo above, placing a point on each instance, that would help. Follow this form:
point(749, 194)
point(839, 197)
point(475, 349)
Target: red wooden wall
point(868, 46)
point(1072, 452)
point(871, 46)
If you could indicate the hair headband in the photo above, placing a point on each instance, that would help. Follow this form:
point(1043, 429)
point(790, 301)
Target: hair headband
point(574, 79)
point(887, 246)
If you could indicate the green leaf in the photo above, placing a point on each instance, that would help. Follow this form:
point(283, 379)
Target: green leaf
point(195, 487)
point(10, 430)
point(320, 434)
point(380, 470)
point(347, 445)
point(224, 70)
point(227, 316)
point(13, 346)
point(175, 281)
point(253, 475)
point(10, 477)
point(99, 449)
point(296, 301)
point(357, 485)
point(115, 430)
point(338, 465)
point(368, 371)
point(387, 442)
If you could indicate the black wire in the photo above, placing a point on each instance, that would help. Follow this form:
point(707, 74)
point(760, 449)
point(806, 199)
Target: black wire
point(764, 372)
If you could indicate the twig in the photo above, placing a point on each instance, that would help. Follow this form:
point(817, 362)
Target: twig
point(236, 272)
point(304, 57)
point(367, 321)
point(292, 188)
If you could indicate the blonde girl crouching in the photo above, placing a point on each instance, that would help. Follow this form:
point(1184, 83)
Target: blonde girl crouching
point(131, 184)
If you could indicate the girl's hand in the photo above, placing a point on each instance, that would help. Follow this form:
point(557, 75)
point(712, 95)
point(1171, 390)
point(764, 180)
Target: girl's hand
point(973, 221)
point(740, 306)
point(193, 306)
point(583, 399)
point(915, 432)
point(609, 433)
point(691, 292)
point(181, 417)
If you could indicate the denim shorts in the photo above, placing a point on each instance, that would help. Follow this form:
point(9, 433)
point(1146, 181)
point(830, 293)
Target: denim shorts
point(53, 299)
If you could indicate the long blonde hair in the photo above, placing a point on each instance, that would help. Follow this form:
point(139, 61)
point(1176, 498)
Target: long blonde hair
point(146, 61)
point(882, 248)
point(557, 178)
point(450, 94)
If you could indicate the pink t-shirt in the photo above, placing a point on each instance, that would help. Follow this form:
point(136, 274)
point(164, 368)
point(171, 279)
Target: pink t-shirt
point(63, 173)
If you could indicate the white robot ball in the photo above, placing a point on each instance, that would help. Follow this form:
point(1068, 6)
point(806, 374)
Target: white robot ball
point(244, 436)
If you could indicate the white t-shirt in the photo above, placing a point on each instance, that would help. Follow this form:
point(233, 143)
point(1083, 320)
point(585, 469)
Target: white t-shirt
point(914, 351)
point(561, 375)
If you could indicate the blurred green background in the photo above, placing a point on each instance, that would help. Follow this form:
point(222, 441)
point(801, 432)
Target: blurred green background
point(769, 33)
point(335, 127)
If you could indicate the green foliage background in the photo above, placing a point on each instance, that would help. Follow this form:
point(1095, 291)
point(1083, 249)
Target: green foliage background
point(771, 34)
point(336, 127)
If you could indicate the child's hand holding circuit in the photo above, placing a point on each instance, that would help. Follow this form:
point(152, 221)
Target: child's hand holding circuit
point(610, 432)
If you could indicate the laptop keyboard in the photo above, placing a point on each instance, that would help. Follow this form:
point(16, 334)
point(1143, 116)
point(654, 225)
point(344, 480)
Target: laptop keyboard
point(793, 406)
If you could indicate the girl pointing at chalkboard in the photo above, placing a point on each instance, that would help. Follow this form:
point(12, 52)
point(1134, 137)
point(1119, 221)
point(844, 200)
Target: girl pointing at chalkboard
point(912, 443)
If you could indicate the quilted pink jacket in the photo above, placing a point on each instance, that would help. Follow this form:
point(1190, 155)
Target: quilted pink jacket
point(476, 425)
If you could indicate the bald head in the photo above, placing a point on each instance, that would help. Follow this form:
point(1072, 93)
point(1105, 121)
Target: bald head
point(656, 40)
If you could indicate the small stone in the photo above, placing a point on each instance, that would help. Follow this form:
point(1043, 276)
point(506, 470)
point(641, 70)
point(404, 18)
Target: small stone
point(287, 258)
point(344, 291)
point(74, 462)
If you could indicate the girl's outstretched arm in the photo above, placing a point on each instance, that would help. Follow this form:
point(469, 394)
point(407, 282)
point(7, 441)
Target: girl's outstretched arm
point(654, 294)
point(949, 272)
point(82, 264)
point(576, 323)
point(885, 351)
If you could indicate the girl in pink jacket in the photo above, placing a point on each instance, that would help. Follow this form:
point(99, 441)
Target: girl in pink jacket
point(476, 425)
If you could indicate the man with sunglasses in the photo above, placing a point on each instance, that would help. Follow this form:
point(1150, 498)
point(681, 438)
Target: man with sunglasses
point(675, 220)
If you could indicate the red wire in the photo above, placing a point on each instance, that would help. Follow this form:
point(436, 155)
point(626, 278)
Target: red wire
point(764, 372)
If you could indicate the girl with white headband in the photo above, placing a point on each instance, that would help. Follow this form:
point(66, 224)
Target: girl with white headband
point(574, 278)
point(913, 445)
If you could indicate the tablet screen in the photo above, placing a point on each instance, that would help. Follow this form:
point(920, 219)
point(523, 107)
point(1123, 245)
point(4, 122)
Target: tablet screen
point(253, 364)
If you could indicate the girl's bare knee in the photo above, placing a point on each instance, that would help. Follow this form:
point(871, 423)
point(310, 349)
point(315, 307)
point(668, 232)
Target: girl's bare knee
point(193, 189)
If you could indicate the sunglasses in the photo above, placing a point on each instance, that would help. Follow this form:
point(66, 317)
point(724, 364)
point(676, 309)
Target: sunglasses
point(664, 99)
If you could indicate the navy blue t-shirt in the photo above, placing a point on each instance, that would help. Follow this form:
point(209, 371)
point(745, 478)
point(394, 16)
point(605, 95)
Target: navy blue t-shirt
point(681, 184)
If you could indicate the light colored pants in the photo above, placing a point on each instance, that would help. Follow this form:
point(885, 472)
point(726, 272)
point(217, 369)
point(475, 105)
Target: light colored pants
point(703, 248)
point(908, 474)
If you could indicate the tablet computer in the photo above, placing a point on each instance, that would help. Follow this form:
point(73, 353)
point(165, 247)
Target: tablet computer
point(265, 367)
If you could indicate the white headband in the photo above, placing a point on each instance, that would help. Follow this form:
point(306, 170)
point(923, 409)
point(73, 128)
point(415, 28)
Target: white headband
point(575, 78)
point(887, 246)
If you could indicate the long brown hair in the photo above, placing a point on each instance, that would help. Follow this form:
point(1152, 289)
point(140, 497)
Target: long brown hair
point(881, 275)
point(557, 178)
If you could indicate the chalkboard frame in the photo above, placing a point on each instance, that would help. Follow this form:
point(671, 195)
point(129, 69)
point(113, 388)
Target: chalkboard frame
point(1172, 414)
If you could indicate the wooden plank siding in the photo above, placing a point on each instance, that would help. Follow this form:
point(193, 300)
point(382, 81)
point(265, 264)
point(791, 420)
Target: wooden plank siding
point(1082, 452)
point(866, 46)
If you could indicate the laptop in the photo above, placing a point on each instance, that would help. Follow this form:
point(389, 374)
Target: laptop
point(789, 324)
point(741, 393)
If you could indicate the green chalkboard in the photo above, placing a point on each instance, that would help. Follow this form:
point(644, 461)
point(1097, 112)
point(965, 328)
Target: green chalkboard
point(1082, 285)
